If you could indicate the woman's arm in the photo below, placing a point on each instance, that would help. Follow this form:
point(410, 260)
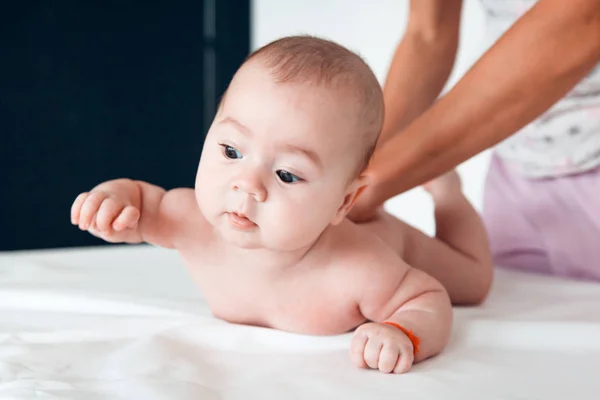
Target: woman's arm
point(539, 59)
point(422, 62)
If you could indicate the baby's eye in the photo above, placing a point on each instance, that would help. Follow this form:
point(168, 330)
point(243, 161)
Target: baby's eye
point(231, 152)
point(287, 177)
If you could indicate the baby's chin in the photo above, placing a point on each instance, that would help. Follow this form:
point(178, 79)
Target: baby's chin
point(257, 240)
point(241, 240)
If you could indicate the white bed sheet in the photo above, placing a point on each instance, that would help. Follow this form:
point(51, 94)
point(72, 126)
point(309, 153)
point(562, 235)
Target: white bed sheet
point(127, 323)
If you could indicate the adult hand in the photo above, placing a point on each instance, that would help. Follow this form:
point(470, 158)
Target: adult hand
point(366, 206)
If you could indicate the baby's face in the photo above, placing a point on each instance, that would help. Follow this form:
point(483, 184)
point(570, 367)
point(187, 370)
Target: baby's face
point(278, 163)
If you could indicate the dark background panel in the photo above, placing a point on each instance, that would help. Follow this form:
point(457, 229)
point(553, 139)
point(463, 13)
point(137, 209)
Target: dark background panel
point(91, 91)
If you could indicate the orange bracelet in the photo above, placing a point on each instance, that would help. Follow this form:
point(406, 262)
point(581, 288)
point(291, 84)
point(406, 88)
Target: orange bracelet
point(413, 338)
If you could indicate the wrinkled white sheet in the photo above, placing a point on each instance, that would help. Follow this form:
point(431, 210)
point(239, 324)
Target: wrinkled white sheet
point(127, 323)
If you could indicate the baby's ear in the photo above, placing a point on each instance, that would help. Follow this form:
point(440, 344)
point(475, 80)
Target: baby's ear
point(354, 190)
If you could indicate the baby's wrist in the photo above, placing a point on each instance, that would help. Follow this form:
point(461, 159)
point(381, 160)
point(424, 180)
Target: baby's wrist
point(414, 339)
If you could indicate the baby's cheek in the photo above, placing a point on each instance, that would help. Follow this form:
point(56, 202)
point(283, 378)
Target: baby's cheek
point(203, 203)
point(289, 216)
point(209, 196)
point(292, 225)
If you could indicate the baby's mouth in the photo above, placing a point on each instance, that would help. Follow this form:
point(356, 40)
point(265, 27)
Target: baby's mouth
point(240, 221)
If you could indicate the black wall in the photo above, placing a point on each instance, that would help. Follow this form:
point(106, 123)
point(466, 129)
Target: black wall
point(91, 91)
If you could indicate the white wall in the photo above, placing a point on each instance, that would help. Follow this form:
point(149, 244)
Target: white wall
point(373, 28)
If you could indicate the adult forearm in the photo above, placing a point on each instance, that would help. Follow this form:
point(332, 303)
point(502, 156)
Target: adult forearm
point(417, 74)
point(532, 66)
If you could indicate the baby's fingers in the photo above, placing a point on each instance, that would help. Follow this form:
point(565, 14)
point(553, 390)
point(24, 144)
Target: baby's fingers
point(405, 360)
point(127, 219)
point(76, 208)
point(89, 209)
point(107, 213)
point(372, 351)
point(388, 358)
point(357, 350)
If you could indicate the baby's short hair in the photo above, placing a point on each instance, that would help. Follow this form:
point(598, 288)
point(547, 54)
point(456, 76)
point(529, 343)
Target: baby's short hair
point(307, 59)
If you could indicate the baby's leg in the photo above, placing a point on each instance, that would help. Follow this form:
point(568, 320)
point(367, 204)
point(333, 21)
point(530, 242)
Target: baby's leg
point(458, 256)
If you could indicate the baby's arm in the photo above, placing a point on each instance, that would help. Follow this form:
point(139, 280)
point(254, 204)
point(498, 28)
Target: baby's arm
point(399, 294)
point(125, 210)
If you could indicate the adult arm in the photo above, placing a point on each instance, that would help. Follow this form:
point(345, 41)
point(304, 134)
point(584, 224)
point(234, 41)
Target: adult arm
point(535, 63)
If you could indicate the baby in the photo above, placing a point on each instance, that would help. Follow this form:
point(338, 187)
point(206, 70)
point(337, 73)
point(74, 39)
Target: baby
point(264, 232)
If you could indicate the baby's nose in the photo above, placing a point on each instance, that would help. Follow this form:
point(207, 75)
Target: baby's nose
point(252, 186)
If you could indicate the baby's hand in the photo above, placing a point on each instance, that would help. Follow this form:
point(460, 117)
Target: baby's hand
point(104, 214)
point(383, 347)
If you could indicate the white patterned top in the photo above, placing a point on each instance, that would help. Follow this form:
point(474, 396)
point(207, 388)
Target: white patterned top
point(566, 138)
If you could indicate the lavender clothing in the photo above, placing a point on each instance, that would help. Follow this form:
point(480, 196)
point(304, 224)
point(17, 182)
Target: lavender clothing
point(548, 225)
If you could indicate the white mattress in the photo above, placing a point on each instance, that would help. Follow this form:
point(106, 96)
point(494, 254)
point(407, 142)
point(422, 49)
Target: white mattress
point(127, 323)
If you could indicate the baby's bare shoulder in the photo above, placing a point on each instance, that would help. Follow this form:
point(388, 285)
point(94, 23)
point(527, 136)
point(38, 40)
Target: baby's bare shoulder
point(376, 275)
point(363, 255)
point(180, 204)
point(181, 207)
point(181, 200)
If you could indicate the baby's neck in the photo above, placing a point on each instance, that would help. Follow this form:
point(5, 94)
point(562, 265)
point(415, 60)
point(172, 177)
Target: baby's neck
point(272, 260)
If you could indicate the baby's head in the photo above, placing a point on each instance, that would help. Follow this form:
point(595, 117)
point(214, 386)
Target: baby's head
point(284, 156)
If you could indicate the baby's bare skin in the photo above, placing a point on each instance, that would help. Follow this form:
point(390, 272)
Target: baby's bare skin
point(265, 236)
point(349, 276)
point(459, 256)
